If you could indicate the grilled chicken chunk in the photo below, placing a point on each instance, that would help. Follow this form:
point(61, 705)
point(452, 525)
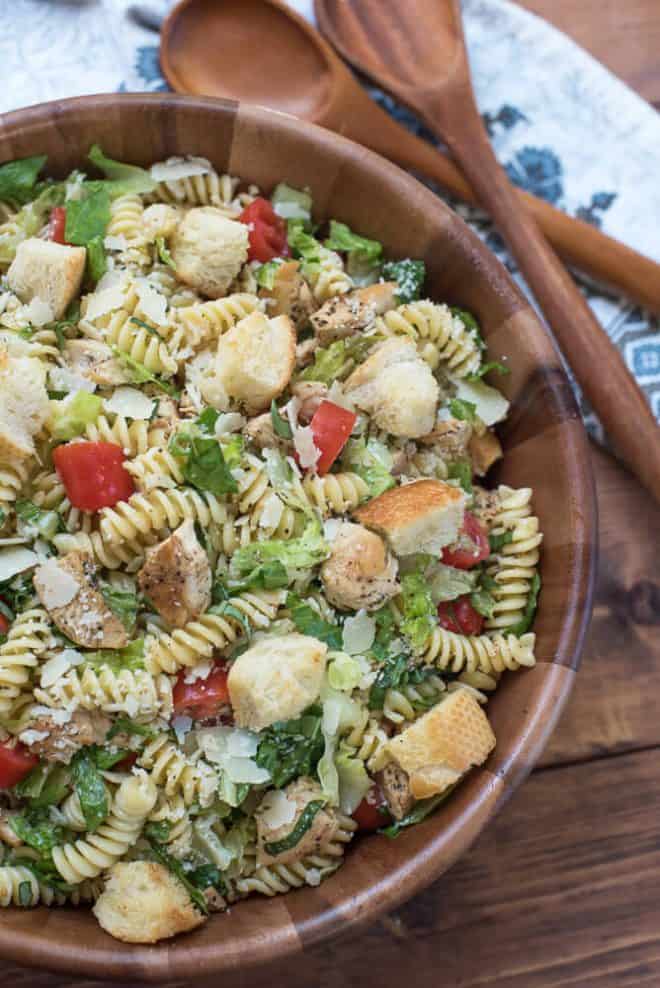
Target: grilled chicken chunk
point(176, 577)
point(344, 315)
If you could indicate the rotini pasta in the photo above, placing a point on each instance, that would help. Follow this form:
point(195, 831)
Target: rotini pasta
point(135, 693)
point(490, 654)
point(441, 336)
point(28, 638)
point(336, 493)
point(143, 514)
point(176, 774)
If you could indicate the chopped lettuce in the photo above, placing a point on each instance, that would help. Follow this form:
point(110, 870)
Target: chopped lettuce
point(131, 657)
point(344, 672)
point(340, 713)
point(122, 602)
point(483, 602)
point(490, 405)
point(176, 868)
point(419, 812)
point(90, 787)
point(409, 276)
point(37, 830)
point(97, 262)
point(529, 613)
point(204, 464)
point(291, 748)
point(461, 470)
point(491, 366)
point(267, 274)
point(449, 583)
point(292, 204)
point(497, 540)
point(470, 324)
point(354, 783)
point(372, 461)
point(140, 374)
point(304, 248)
point(466, 411)
point(163, 253)
point(302, 553)
point(17, 594)
point(123, 179)
point(71, 416)
point(269, 576)
point(343, 239)
point(87, 218)
point(18, 178)
point(281, 426)
point(418, 609)
point(46, 785)
point(43, 524)
point(336, 361)
point(309, 622)
point(29, 220)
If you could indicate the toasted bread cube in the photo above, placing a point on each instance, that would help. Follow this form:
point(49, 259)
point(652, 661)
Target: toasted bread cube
point(49, 271)
point(276, 679)
point(484, 451)
point(423, 516)
point(209, 250)
point(359, 571)
point(255, 360)
point(143, 902)
point(397, 388)
point(440, 747)
point(68, 588)
point(176, 577)
point(344, 315)
point(278, 814)
point(24, 405)
point(290, 295)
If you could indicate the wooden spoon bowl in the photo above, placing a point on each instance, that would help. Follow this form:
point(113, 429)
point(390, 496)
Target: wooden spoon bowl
point(545, 448)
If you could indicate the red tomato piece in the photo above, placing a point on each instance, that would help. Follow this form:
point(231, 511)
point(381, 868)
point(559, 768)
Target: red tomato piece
point(56, 224)
point(331, 427)
point(471, 548)
point(4, 624)
point(126, 763)
point(15, 763)
point(202, 699)
point(93, 474)
point(267, 231)
point(372, 813)
point(460, 616)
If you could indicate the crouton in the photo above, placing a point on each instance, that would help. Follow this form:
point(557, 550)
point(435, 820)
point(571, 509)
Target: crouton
point(54, 740)
point(397, 388)
point(359, 573)
point(96, 362)
point(290, 295)
point(176, 577)
point(436, 750)
point(420, 517)
point(143, 903)
point(48, 271)
point(160, 220)
point(254, 361)
point(278, 815)
point(209, 250)
point(24, 405)
point(395, 787)
point(276, 679)
point(484, 451)
point(68, 587)
point(343, 315)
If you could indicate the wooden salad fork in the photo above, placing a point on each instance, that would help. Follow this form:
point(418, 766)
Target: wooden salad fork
point(417, 52)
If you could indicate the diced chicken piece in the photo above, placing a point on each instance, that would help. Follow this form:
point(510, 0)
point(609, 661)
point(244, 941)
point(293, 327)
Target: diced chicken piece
point(449, 438)
point(260, 430)
point(311, 394)
point(254, 362)
point(209, 250)
point(143, 903)
point(359, 573)
point(279, 814)
point(290, 295)
point(48, 738)
point(397, 388)
point(305, 352)
point(68, 587)
point(160, 220)
point(423, 516)
point(486, 505)
point(176, 577)
point(344, 315)
point(24, 405)
point(276, 679)
point(48, 271)
point(96, 362)
point(7, 835)
point(395, 787)
point(484, 451)
point(436, 750)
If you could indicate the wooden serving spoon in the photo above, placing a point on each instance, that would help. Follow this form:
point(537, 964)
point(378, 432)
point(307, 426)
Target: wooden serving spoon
point(205, 50)
point(417, 51)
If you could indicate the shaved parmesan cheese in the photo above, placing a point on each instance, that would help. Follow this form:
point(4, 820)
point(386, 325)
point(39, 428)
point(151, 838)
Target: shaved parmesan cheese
point(330, 528)
point(176, 168)
point(106, 300)
point(308, 452)
point(115, 243)
point(313, 876)
point(16, 560)
point(56, 587)
point(337, 397)
point(276, 809)
point(63, 379)
point(58, 717)
point(181, 726)
point(201, 671)
point(60, 664)
point(358, 633)
point(38, 312)
point(244, 770)
point(130, 403)
point(271, 513)
point(233, 750)
point(32, 737)
point(229, 422)
point(243, 744)
point(152, 303)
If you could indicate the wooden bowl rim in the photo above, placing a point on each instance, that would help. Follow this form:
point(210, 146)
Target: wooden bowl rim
point(29, 943)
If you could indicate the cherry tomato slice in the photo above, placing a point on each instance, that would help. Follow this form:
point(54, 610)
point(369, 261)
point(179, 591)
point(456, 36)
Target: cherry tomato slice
point(93, 474)
point(471, 548)
point(126, 763)
point(267, 231)
point(4, 624)
point(203, 698)
point(460, 616)
point(372, 813)
point(331, 427)
point(57, 224)
point(15, 763)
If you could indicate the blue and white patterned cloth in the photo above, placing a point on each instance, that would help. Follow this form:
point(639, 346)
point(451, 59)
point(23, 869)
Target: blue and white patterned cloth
point(562, 125)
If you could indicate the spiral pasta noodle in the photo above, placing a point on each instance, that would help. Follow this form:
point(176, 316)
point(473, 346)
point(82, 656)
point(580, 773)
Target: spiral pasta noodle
point(134, 693)
point(90, 856)
point(204, 322)
point(428, 323)
point(13, 477)
point(48, 492)
point(129, 554)
point(208, 189)
point(133, 437)
point(492, 653)
point(265, 510)
point(156, 467)
point(29, 636)
point(330, 278)
point(177, 775)
point(126, 219)
point(144, 345)
point(143, 514)
point(173, 811)
point(335, 493)
point(407, 702)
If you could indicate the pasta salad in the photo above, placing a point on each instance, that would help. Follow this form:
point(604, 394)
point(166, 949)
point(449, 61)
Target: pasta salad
point(254, 590)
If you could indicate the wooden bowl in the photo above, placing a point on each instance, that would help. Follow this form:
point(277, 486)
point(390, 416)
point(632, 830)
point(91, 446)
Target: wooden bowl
point(546, 449)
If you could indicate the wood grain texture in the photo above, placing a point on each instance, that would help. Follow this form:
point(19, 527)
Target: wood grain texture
point(418, 54)
point(352, 184)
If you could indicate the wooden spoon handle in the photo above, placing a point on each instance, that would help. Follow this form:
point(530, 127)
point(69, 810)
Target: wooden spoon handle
point(596, 362)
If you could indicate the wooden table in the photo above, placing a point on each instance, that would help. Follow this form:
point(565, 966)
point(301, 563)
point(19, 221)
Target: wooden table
point(564, 888)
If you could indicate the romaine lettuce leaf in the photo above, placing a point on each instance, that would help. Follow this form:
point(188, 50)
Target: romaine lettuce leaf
point(372, 461)
point(71, 416)
point(409, 276)
point(303, 553)
point(123, 179)
point(18, 178)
